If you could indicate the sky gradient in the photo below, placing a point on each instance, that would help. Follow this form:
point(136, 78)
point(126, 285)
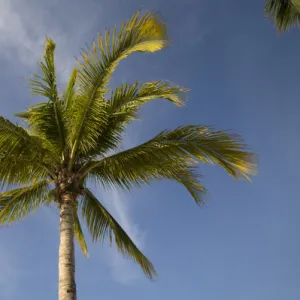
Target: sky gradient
point(244, 243)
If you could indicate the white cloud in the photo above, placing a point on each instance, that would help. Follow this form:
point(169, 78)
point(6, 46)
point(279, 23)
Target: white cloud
point(23, 28)
point(122, 269)
point(121, 205)
point(15, 37)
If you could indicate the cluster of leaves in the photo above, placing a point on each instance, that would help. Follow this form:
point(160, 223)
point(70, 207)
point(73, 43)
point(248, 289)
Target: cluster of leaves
point(286, 13)
point(75, 133)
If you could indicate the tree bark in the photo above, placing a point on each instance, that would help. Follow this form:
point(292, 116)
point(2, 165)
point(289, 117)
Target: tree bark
point(66, 264)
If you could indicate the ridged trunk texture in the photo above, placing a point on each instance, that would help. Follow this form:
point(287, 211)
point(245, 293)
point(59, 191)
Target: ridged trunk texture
point(66, 264)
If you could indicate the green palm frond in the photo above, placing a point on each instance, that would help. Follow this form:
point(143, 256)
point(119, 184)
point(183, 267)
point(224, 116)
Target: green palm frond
point(52, 197)
point(70, 90)
point(78, 231)
point(140, 168)
point(15, 140)
point(190, 179)
point(45, 85)
point(130, 97)
point(41, 121)
point(47, 118)
point(101, 225)
point(285, 13)
point(296, 3)
point(124, 104)
point(18, 203)
point(173, 153)
point(22, 155)
point(140, 34)
point(14, 171)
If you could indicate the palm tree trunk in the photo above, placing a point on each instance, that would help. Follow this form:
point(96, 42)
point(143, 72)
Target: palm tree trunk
point(66, 265)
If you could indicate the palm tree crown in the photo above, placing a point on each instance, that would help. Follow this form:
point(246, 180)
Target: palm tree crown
point(74, 137)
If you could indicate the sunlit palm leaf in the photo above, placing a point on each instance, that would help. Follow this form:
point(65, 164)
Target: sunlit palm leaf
point(190, 179)
point(40, 119)
point(137, 169)
point(101, 225)
point(185, 143)
point(70, 90)
point(296, 4)
point(124, 104)
point(172, 154)
point(16, 140)
point(130, 97)
point(78, 231)
point(17, 204)
point(47, 118)
point(22, 155)
point(140, 34)
point(285, 13)
point(14, 171)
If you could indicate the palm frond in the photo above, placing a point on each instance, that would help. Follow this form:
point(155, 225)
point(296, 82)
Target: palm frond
point(15, 139)
point(190, 179)
point(296, 3)
point(124, 104)
point(47, 118)
point(70, 90)
point(21, 153)
point(53, 197)
point(101, 225)
point(45, 85)
point(39, 118)
point(14, 171)
point(42, 122)
point(18, 203)
point(173, 155)
point(131, 97)
point(78, 231)
point(140, 34)
point(140, 168)
point(285, 13)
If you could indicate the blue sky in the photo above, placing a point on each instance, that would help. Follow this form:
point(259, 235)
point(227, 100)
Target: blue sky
point(244, 244)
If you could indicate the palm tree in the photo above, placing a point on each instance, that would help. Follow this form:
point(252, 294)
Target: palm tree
point(74, 136)
point(285, 13)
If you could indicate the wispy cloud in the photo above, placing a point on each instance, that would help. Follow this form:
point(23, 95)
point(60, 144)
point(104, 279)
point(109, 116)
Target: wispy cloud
point(119, 204)
point(14, 35)
point(121, 207)
point(122, 269)
point(23, 28)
